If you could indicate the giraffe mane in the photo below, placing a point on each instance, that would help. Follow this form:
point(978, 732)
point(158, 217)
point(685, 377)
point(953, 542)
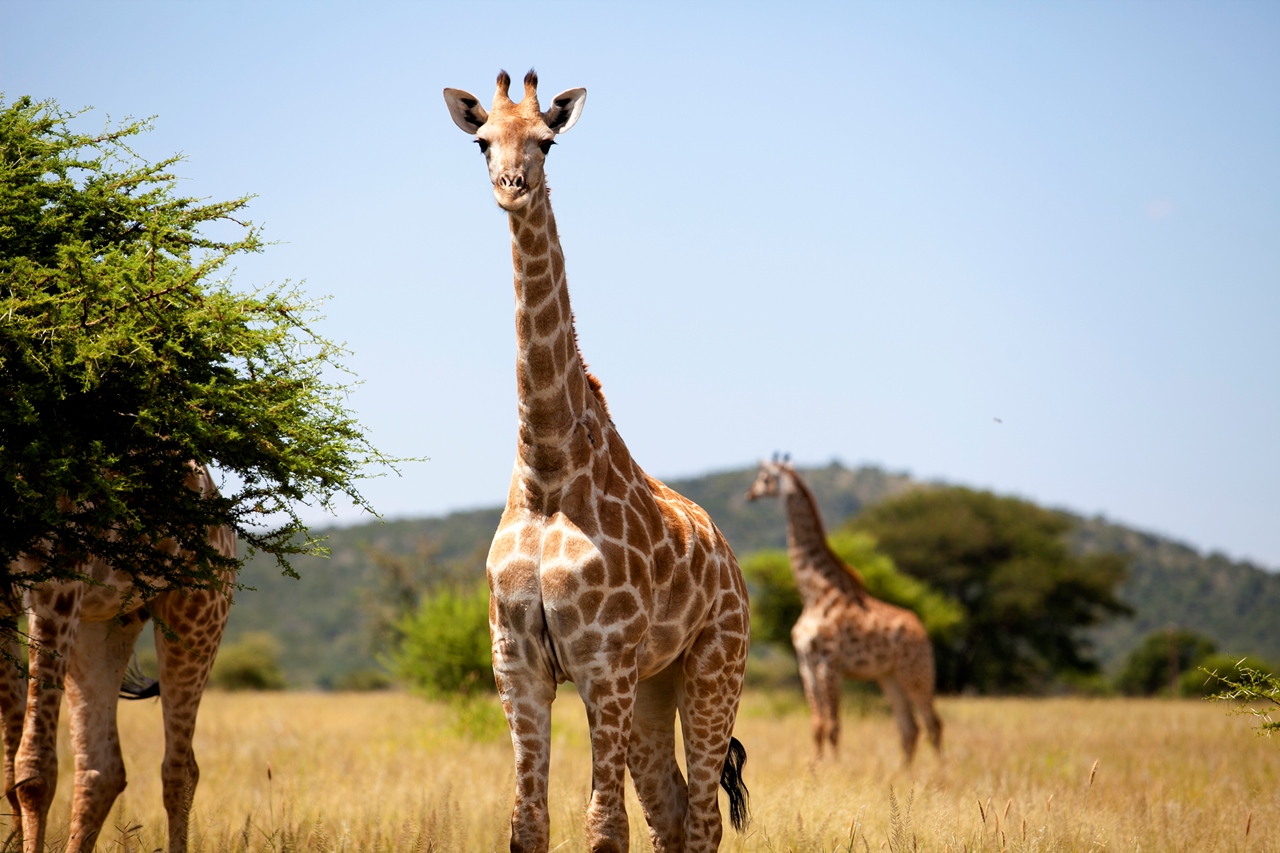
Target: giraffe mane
point(592, 382)
point(853, 573)
point(813, 502)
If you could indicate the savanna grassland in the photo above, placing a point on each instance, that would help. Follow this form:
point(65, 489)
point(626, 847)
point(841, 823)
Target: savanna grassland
point(390, 771)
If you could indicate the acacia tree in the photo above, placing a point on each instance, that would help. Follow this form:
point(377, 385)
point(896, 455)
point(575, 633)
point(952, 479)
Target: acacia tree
point(1026, 597)
point(125, 352)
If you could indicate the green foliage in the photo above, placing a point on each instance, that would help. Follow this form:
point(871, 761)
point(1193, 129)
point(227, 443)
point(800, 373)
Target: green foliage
point(123, 355)
point(1206, 680)
point(776, 603)
point(1256, 689)
point(399, 582)
point(249, 664)
point(1026, 597)
point(1146, 670)
point(444, 649)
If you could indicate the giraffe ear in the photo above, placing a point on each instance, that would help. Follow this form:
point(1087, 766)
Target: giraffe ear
point(565, 109)
point(465, 109)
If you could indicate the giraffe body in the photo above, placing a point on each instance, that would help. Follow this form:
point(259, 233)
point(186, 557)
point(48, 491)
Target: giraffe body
point(598, 573)
point(78, 647)
point(845, 632)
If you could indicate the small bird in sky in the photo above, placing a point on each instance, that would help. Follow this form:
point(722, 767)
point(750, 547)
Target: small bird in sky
point(997, 420)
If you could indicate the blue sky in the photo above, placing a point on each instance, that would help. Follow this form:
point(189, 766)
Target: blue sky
point(855, 231)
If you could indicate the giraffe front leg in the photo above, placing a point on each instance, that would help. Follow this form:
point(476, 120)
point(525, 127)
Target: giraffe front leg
point(13, 707)
point(609, 692)
point(822, 691)
point(52, 623)
point(527, 688)
point(98, 662)
point(651, 758)
point(907, 726)
point(526, 701)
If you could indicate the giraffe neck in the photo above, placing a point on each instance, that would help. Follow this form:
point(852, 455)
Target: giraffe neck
point(555, 395)
point(816, 567)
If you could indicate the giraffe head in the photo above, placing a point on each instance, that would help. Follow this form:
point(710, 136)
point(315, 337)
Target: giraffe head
point(771, 482)
point(515, 137)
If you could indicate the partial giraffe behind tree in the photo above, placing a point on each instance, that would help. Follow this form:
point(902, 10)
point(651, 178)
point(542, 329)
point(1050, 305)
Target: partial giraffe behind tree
point(80, 642)
point(598, 573)
point(845, 632)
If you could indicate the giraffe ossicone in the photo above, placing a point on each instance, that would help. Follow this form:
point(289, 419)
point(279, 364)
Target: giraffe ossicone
point(81, 643)
point(845, 632)
point(598, 573)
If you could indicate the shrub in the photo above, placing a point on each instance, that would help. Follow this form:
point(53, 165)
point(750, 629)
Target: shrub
point(1146, 669)
point(444, 647)
point(249, 664)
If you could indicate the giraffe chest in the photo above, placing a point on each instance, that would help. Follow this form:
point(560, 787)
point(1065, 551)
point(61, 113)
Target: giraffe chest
point(582, 599)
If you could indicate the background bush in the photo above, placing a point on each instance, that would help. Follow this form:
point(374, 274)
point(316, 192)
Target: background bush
point(444, 648)
point(250, 664)
point(1146, 669)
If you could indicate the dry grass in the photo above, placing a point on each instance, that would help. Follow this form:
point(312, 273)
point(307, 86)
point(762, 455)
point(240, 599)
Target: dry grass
point(393, 772)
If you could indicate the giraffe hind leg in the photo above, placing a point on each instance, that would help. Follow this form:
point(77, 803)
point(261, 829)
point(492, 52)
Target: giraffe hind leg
point(709, 691)
point(198, 618)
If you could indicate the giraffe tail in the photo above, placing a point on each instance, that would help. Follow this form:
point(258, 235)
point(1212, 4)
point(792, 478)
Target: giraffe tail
point(137, 684)
point(731, 781)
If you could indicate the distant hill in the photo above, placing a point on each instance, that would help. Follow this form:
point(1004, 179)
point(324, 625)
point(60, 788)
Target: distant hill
point(320, 620)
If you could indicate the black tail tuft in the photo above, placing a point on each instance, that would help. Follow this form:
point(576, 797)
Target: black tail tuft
point(731, 781)
point(137, 684)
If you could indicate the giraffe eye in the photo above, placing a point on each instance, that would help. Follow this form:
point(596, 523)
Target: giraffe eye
point(545, 145)
point(484, 145)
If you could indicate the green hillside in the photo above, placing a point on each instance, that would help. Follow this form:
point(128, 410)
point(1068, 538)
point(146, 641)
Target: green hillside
point(320, 619)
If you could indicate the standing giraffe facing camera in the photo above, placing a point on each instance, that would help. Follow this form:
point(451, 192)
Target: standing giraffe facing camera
point(598, 573)
point(843, 631)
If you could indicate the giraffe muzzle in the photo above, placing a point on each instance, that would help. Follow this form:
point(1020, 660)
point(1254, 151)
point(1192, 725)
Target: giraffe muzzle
point(512, 182)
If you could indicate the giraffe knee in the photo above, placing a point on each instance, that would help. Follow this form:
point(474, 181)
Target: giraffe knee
point(34, 794)
point(98, 784)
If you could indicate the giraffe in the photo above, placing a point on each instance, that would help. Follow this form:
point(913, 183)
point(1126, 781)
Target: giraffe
point(599, 574)
point(843, 631)
point(80, 642)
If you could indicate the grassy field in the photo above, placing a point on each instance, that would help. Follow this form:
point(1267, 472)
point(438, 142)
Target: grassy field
point(330, 772)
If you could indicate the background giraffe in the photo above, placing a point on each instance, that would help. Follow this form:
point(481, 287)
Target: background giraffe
point(843, 631)
point(77, 644)
point(598, 573)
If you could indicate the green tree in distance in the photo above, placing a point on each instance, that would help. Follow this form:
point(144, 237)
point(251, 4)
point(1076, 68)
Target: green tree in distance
point(1146, 670)
point(125, 352)
point(1026, 597)
point(251, 663)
